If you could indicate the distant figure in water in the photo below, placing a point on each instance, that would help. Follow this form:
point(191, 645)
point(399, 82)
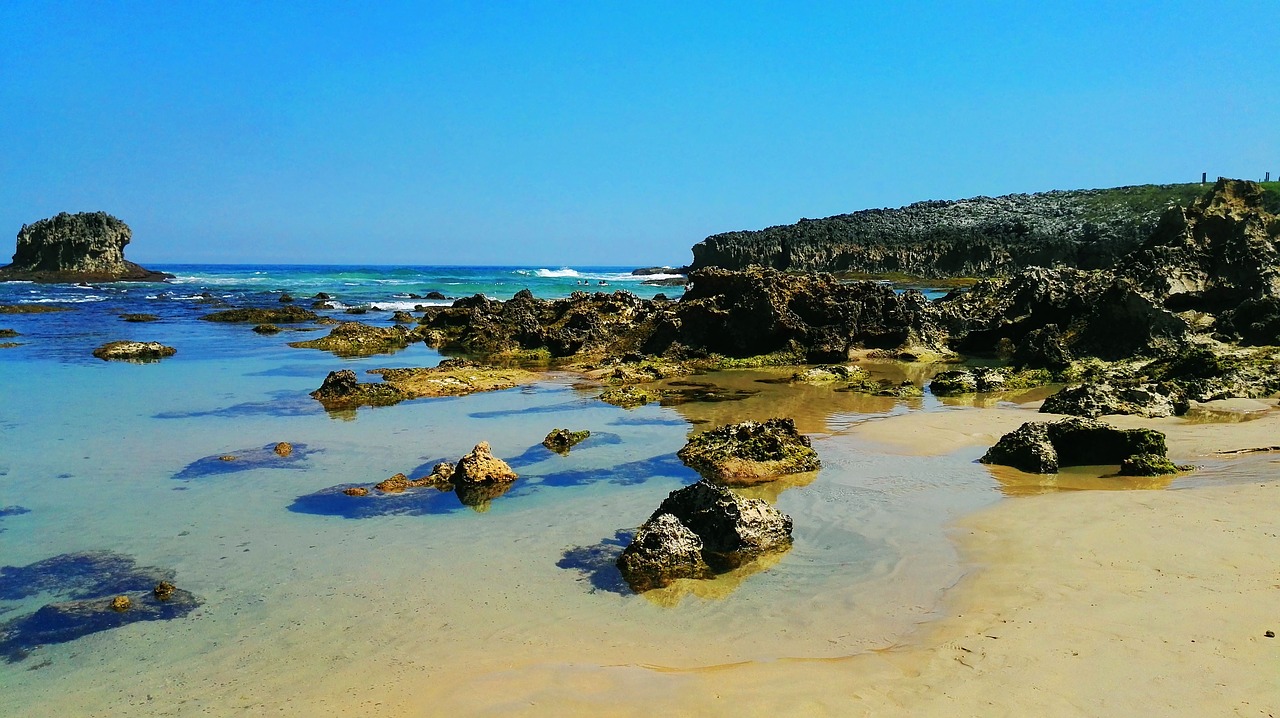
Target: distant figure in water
point(603, 283)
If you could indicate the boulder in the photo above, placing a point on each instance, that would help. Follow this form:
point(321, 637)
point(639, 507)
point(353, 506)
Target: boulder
point(561, 440)
point(402, 317)
point(283, 448)
point(83, 247)
point(1149, 465)
point(133, 351)
point(662, 551)
point(139, 317)
point(267, 329)
point(1099, 399)
point(728, 530)
point(1043, 447)
point(829, 373)
point(482, 467)
point(750, 452)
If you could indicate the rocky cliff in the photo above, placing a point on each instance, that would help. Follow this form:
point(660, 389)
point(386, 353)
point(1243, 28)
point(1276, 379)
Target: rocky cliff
point(84, 247)
point(979, 237)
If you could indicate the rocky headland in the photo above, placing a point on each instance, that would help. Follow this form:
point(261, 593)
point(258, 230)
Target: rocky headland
point(83, 247)
point(977, 237)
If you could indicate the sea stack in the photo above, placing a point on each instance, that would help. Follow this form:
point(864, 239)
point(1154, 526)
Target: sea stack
point(83, 247)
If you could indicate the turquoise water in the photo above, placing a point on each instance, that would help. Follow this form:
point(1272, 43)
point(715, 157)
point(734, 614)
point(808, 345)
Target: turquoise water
point(315, 603)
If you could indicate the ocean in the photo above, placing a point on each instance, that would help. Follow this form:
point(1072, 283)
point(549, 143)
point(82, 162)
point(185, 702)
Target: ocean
point(314, 603)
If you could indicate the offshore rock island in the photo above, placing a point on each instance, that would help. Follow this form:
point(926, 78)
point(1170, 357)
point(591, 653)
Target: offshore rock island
point(83, 247)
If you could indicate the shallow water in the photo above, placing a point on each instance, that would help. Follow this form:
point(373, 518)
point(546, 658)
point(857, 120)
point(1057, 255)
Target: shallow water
point(329, 601)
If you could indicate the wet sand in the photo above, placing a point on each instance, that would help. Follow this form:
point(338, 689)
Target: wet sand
point(1078, 603)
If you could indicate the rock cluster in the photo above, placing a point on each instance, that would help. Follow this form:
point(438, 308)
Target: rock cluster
point(1043, 447)
point(290, 314)
point(750, 452)
point(84, 247)
point(699, 531)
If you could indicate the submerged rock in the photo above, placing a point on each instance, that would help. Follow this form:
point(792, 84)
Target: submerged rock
point(561, 440)
point(139, 317)
point(827, 373)
point(83, 247)
point(971, 381)
point(750, 452)
point(133, 351)
point(396, 483)
point(723, 529)
point(352, 339)
point(1043, 447)
point(1149, 465)
point(267, 329)
point(291, 314)
point(453, 377)
point(629, 396)
point(8, 333)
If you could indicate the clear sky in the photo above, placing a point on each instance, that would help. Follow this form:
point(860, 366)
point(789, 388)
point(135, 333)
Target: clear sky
point(599, 132)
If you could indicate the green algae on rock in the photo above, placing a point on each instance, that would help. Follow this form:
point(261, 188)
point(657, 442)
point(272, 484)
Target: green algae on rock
point(354, 339)
point(140, 318)
point(562, 440)
point(750, 452)
point(32, 308)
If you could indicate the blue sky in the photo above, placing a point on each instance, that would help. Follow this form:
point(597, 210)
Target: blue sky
point(599, 132)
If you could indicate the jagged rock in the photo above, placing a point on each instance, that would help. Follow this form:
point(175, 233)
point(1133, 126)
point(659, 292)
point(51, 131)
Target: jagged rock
point(662, 551)
point(356, 491)
point(434, 295)
point(394, 484)
point(321, 296)
point(444, 471)
point(726, 530)
point(482, 467)
point(761, 311)
point(1214, 254)
point(267, 329)
point(352, 339)
point(1108, 316)
point(1205, 373)
point(1094, 400)
point(402, 317)
point(283, 448)
point(84, 247)
point(139, 317)
point(561, 440)
point(1254, 321)
point(291, 314)
point(285, 298)
point(1043, 348)
point(1043, 447)
point(750, 452)
point(341, 390)
point(981, 236)
point(134, 351)
point(121, 603)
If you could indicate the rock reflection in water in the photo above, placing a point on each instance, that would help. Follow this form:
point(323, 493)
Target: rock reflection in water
point(718, 587)
point(231, 462)
point(1013, 482)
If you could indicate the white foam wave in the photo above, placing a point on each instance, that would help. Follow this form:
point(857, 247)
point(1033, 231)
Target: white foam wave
point(551, 273)
point(216, 280)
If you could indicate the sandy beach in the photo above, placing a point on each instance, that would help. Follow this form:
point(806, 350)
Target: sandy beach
point(1077, 603)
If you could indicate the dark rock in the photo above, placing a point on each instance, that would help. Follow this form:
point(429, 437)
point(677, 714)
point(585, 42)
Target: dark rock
point(981, 236)
point(341, 390)
point(561, 440)
point(1254, 321)
point(1094, 400)
point(650, 271)
point(401, 317)
point(139, 352)
point(395, 484)
point(1148, 465)
point(662, 551)
point(1042, 447)
point(139, 317)
point(163, 591)
point(434, 295)
point(32, 308)
point(321, 305)
point(267, 329)
point(1043, 348)
point(8, 334)
point(283, 315)
point(971, 381)
point(321, 296)
point(84, 247)
point(733, 529)
point(286, 298)
point(750, 452)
